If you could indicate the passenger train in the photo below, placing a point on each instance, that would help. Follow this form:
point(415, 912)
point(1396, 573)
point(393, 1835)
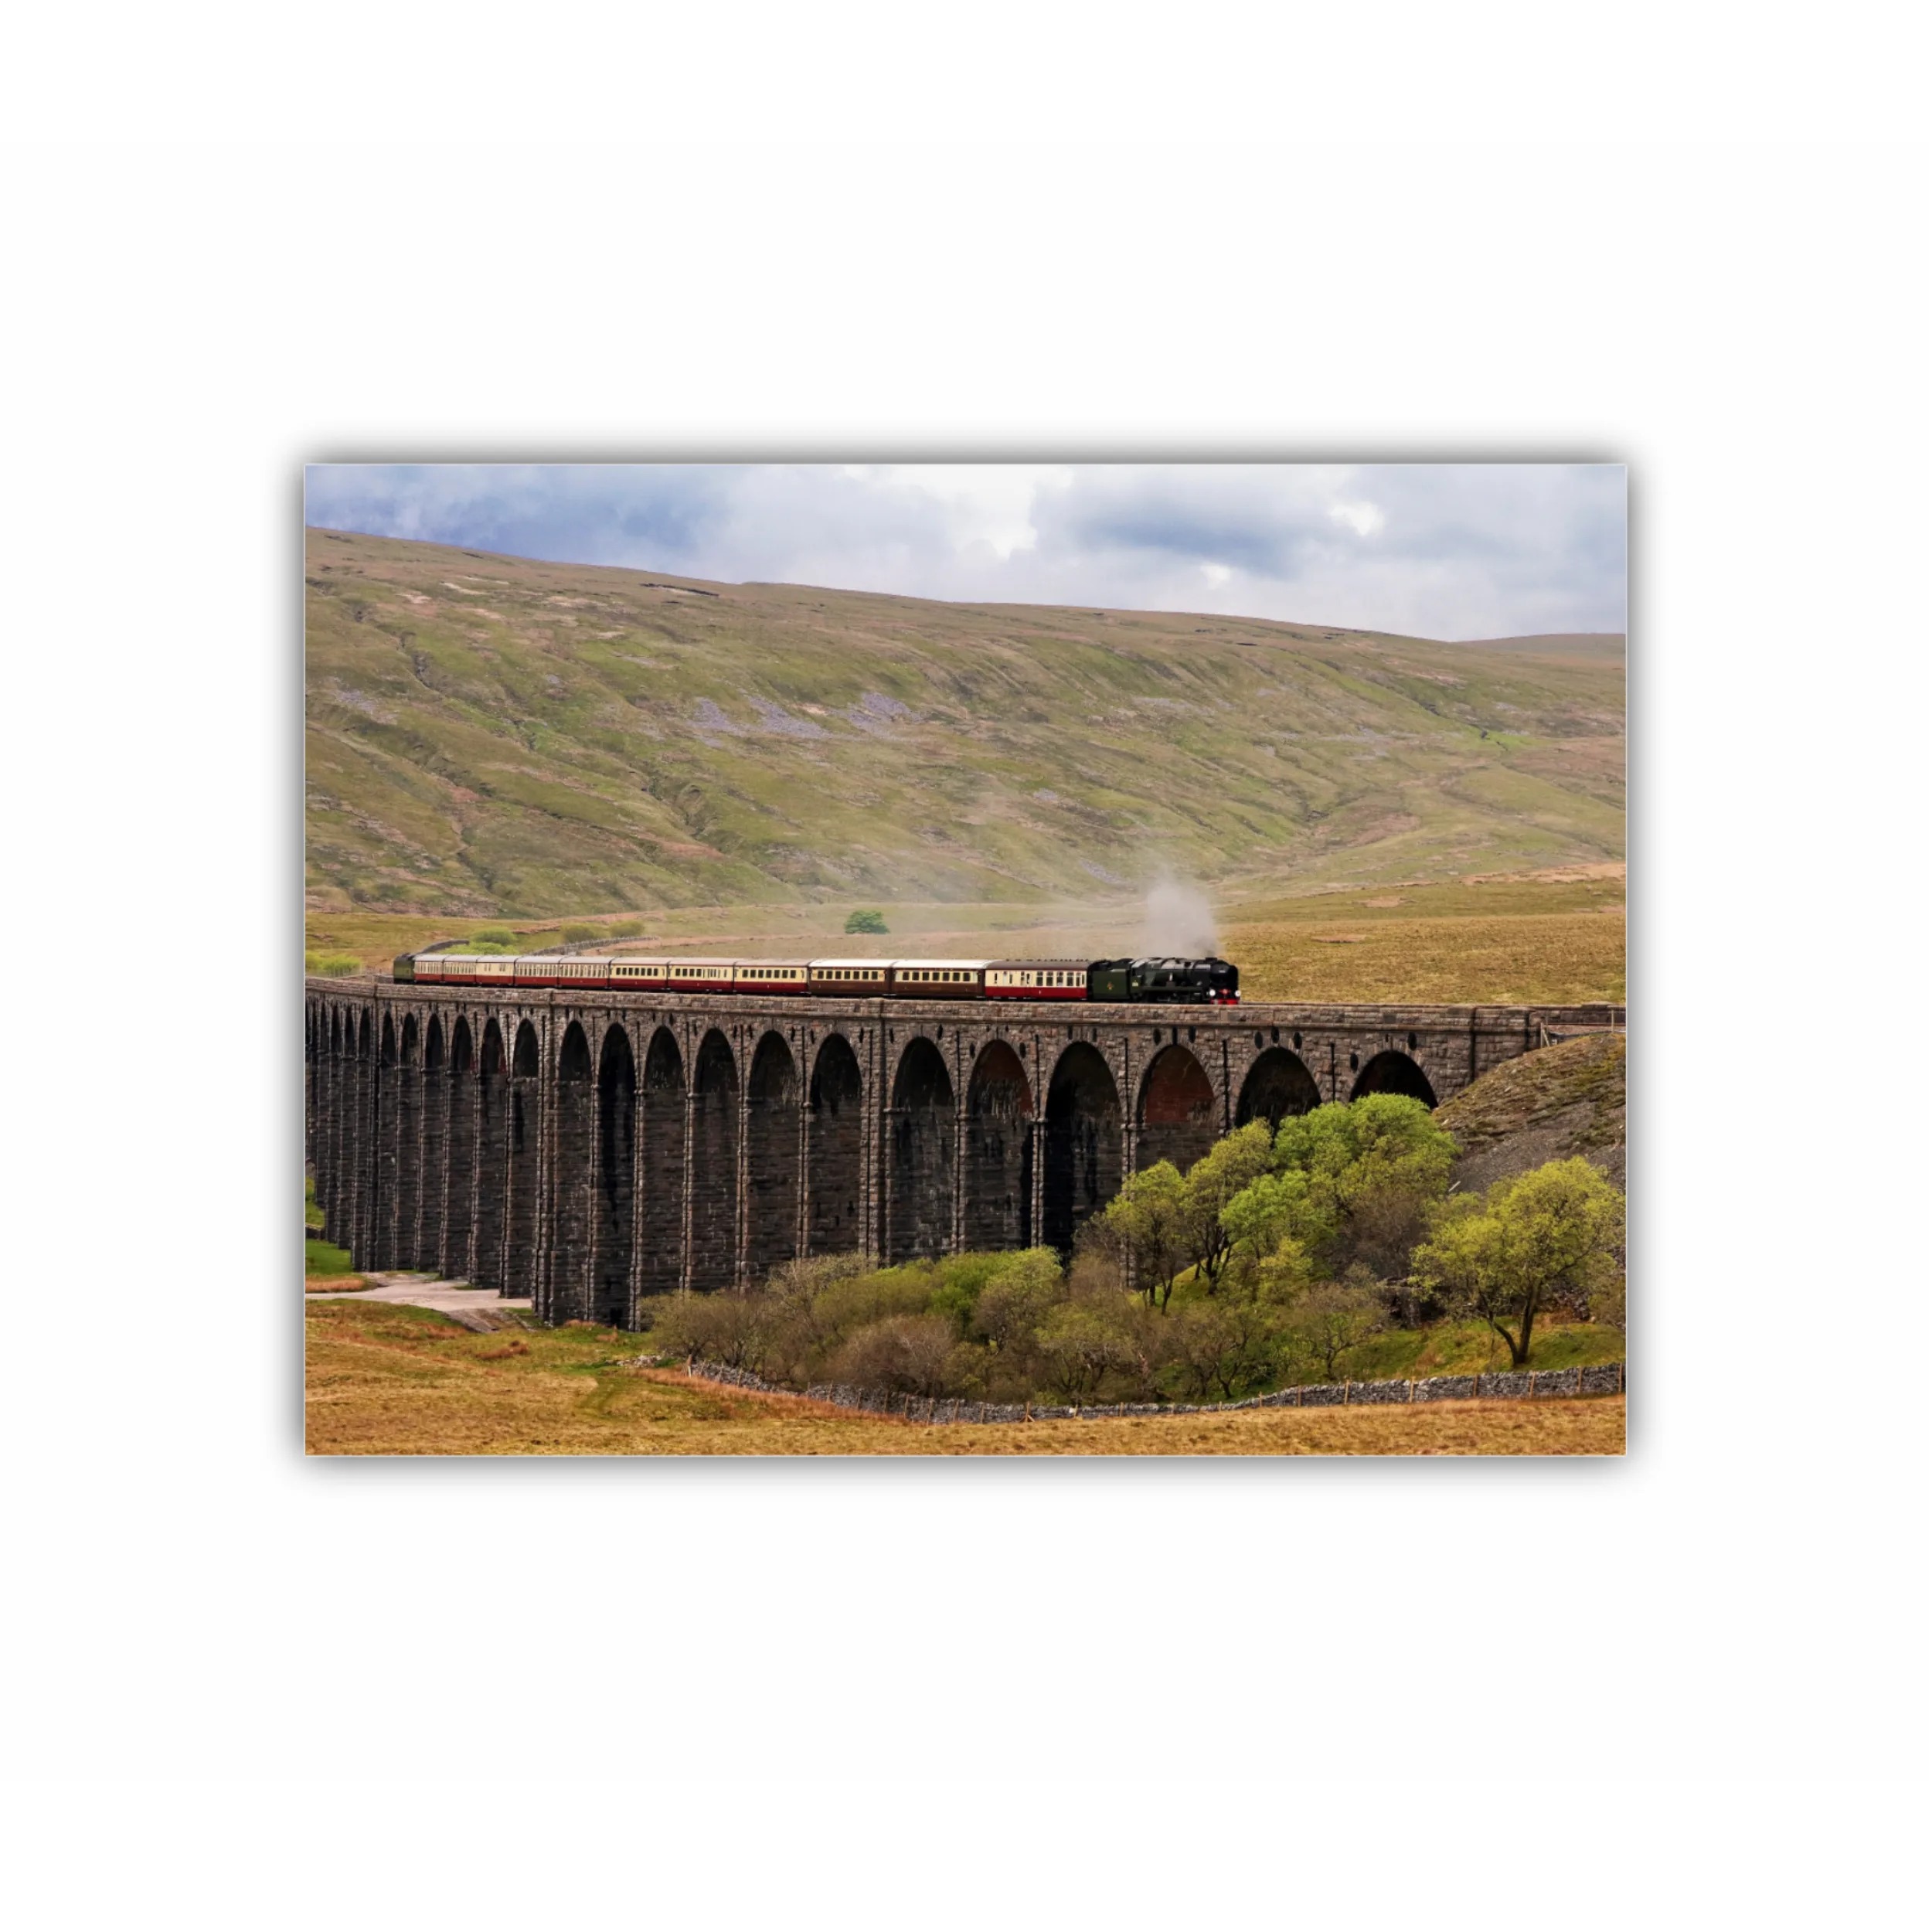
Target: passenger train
point(1195, 982)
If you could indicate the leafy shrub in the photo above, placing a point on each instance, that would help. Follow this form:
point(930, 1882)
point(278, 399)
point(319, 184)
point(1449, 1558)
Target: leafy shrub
point(626, 929)
point(913, 1355)
point(575, 935)
point(733, 1329)
point(865, 922)
point(854, 1301)
point(333, 965)
point(493, 936)
point(958, 1280)
point(1329, 1323)
point(1081, 1345)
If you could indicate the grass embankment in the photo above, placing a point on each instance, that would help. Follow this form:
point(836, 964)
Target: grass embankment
point(1564, 1099)
point(384, 1380)
point(492, 736)
point(1473, 1347)
point(1506, 941)
point(325, 1265)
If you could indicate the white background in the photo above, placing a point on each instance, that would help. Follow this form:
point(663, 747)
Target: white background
point(243, 1689)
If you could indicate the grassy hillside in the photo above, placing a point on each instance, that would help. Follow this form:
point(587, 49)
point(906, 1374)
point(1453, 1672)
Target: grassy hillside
point(488, 735)
point(1560, 1100)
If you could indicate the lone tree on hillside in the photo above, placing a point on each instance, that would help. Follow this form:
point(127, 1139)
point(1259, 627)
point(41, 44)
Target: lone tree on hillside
point(1557, 1230)
point(865, 922)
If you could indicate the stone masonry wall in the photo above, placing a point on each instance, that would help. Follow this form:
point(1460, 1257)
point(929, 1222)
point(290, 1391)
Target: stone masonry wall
point(1603, 1379)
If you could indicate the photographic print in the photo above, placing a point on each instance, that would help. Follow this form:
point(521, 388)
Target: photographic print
point(1077, 959)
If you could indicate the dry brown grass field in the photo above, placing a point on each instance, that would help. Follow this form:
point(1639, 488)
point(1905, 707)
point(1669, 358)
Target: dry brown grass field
point(1533, 941)
point(388, 1380)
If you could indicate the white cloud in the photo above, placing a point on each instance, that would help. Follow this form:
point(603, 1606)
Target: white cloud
point(1459, 550)
point(1364, 519)
point(983, 504)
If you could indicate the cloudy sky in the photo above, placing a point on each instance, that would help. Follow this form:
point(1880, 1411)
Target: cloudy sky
point(1439, 550)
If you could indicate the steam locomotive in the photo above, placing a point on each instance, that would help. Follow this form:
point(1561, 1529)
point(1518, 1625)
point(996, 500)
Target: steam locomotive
point(1189, 982)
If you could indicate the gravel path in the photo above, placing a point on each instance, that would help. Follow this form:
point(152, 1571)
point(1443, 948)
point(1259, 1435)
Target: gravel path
point(474, 1308)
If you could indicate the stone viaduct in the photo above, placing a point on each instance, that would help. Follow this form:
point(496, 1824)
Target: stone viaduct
point(591, 1149)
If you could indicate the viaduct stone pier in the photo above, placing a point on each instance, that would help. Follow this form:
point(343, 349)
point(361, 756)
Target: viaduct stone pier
point(592, 1149)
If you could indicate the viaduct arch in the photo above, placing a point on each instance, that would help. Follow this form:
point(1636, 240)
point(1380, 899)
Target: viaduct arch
point(589, 1152)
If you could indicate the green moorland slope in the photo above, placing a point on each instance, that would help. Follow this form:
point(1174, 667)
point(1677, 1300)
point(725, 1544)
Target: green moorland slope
point(487, 735)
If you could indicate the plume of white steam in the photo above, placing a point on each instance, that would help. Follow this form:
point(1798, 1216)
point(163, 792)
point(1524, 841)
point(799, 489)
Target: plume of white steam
point(1178, 920)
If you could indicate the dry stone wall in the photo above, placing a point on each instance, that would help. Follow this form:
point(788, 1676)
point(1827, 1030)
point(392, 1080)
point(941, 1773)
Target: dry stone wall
point(1604, 1378)
point(590, 1149)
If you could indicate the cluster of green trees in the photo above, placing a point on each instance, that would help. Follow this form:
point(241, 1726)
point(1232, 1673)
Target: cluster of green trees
point(1303, 1243)
point(1278, 1256)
